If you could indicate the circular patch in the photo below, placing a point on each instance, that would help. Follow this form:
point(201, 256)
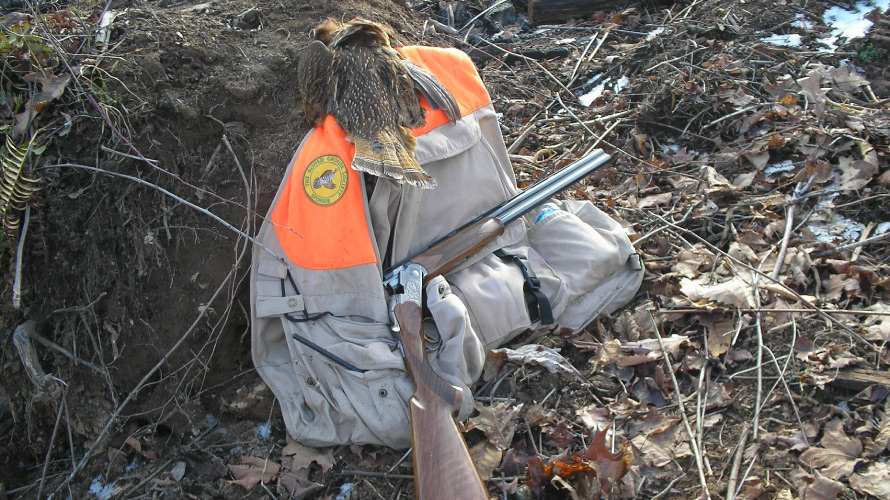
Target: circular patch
point(325, 180)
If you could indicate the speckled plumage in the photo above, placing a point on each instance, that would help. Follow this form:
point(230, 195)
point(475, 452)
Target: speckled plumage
point(353, 72)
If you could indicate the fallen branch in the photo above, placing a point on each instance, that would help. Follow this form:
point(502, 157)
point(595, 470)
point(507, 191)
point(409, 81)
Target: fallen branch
point(873, 239)
point(181, 200)
point(699, 461)
point(20, 250)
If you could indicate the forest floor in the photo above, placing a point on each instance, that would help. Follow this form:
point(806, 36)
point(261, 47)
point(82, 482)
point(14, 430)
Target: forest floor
point(752, 176)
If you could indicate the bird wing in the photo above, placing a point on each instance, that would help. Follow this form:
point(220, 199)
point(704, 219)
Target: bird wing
point(435, 93)
point(314, 75)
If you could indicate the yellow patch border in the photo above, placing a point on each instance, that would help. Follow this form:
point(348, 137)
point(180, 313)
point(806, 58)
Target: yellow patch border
point(321, 194)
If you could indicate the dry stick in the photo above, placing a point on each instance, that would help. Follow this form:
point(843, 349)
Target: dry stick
point(81, 308)
point(701, 409)
point(667, 489)
point(580, 60)
point(125, 155)
point(759, 328)
point(789, 222)
point(600, 138)
point(676, 58)
point(573, 115)
point(780, 378)
point(667, 361)
point(685, 12)
point(19, 252)
point(735, 113)
point(858, 251)
point(486, 11)
point(65, 352)
point(177, 198)
point(799, 297)
point(575, 73)
point(89, 454)
point(851, 246)
point(52, 439)
point(767, 311)
point(529, 59)
point(736, 465)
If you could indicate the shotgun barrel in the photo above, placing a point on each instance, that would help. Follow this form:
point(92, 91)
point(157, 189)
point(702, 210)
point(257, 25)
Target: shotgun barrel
point(523, 202)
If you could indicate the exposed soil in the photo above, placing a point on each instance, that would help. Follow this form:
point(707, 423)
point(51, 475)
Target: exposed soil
point(116, 273)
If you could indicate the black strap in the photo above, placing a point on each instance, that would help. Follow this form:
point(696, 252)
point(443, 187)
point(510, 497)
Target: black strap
point(537, 303)
point(306, 317)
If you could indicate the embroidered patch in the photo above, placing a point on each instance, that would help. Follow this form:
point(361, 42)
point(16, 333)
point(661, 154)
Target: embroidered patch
point(325, 180)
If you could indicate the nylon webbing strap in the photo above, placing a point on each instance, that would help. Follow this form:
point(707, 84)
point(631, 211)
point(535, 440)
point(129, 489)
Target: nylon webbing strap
point(537, 303)
point(312, 317)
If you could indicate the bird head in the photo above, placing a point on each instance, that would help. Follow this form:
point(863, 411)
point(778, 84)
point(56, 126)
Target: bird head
point(363, 32)
point(324, 32)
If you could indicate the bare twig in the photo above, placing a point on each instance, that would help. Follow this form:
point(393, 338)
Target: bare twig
point(858, 312)
point(117, 412)
point(20, 251)
point(789, 223)
point(52, 439)
point(736, 465)
point(181, 200)
point(65, 352)
point(81, 308)
point(483, 13)
point(873, 239)
point(126, 155)
point(667, 488)
point(699, 462)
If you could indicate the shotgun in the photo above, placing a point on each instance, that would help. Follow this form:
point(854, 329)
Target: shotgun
point(443, 468)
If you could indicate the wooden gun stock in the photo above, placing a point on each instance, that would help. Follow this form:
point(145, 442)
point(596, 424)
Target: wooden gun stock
point(443, 467)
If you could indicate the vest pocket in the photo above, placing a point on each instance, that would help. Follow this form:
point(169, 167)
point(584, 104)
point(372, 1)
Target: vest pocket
point(348, 386)
point(583, 255)
point(492, 292)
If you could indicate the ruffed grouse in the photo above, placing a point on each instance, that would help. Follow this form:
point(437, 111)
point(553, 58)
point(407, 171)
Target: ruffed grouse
point(353, 72)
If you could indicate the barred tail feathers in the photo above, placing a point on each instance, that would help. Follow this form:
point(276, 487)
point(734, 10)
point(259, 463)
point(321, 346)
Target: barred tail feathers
point(391, 155)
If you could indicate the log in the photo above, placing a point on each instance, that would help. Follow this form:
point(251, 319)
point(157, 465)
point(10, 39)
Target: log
point(560, 11)
point(860, 378)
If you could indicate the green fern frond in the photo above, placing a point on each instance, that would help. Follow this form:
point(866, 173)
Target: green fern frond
point(16, 188)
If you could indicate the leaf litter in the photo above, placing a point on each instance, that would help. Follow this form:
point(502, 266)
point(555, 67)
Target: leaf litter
point(753, 180)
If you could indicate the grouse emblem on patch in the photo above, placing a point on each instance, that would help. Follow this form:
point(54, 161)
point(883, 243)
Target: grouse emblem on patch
point(325, 180)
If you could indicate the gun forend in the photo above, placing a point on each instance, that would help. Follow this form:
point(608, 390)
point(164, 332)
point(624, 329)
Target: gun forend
point(446, 254)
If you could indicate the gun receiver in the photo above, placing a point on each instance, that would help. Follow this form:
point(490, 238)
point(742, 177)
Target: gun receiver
point(443, 467)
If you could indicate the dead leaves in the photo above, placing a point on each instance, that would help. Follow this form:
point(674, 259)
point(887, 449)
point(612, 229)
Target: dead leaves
point(837, 455)
point(253, 471)
point(660, 440)
point(594, 471)
point(497, 421)
point(291, 471)
point(533, 354)
point(873, 481)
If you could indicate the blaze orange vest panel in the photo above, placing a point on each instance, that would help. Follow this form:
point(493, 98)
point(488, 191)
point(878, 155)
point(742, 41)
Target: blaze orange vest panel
point(320, 216)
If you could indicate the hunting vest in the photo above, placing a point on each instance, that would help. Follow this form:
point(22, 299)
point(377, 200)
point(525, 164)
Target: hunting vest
point(321, 336)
